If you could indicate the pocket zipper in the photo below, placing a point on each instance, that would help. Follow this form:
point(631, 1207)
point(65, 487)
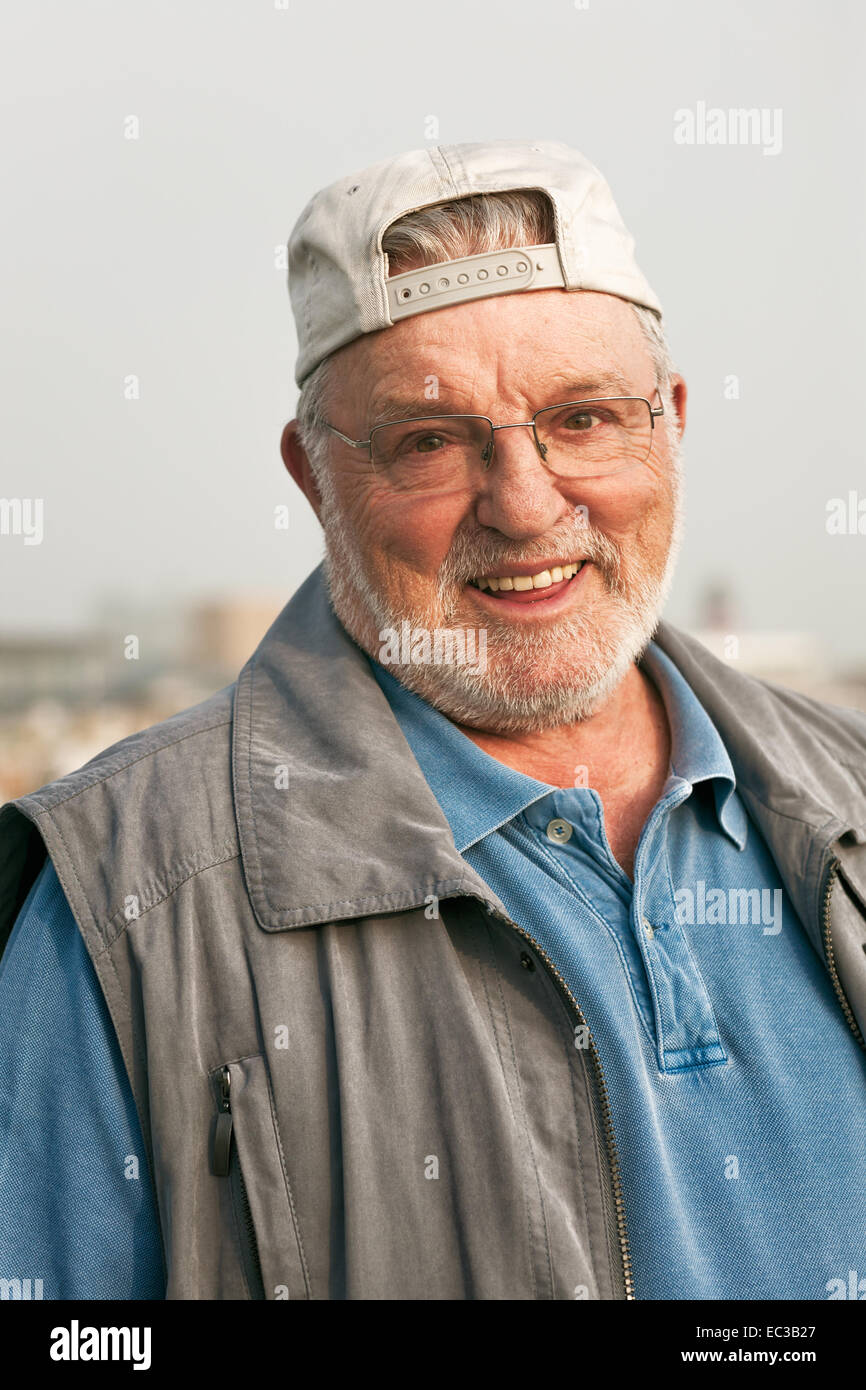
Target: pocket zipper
point(222, 1168)
point(827, 935)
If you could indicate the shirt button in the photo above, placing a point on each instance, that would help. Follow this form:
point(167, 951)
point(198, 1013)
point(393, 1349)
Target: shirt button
point(648, 928)
point(558, 831)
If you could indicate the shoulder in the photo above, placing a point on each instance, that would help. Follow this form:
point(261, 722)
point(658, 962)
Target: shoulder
point(140, 818)
point(781, 719)
point(194, 738)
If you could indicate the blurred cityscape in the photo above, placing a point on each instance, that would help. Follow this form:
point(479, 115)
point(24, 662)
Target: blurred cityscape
point(64, 698)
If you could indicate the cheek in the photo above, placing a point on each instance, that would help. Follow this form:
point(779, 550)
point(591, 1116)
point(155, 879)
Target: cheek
point(408, 532)
point(627, 506)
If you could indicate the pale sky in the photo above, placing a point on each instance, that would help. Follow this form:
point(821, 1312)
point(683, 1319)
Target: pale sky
point(155, 257)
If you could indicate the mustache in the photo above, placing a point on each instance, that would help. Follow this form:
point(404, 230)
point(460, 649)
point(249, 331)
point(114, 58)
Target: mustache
point(472, 555)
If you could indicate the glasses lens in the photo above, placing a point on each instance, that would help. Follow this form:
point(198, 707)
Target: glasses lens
point(593, 438)
point(439, 454)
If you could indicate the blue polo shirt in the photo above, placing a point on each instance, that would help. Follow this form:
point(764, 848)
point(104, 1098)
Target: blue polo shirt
point(735, 1085)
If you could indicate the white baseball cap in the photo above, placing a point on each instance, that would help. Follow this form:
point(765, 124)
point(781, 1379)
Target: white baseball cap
point(338, 273)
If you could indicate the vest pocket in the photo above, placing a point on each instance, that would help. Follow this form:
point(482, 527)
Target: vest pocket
point(247, 1153)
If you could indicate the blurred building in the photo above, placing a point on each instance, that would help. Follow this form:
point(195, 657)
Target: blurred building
point(64, 698)
point(798, 660)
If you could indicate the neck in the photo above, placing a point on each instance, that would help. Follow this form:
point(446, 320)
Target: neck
point(622, 751)
point(607, 744)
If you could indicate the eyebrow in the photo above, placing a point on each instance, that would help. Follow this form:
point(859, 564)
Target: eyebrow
point(561, 389)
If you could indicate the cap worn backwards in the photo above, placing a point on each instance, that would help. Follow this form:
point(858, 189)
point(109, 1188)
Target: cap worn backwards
point(338, 273)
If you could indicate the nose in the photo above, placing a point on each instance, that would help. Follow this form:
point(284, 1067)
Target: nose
point(517, 494)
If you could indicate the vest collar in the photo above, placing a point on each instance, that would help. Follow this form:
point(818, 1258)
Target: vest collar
point(335, 817)
point(800, 770)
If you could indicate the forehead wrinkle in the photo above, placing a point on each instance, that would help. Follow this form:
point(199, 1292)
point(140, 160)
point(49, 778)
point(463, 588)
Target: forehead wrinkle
point(560, 387)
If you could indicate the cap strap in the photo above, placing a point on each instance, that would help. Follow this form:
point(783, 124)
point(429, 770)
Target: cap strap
point(474, 277)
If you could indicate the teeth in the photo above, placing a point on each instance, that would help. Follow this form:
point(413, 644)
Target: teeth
point(523, 582)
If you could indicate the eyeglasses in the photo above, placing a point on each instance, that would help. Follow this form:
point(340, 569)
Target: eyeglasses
point(578, 439)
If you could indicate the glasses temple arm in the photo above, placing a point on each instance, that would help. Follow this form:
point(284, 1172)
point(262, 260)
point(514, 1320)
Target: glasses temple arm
point(355, 443)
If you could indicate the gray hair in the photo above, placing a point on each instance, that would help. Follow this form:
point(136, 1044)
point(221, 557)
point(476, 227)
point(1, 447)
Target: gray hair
point(463, 227)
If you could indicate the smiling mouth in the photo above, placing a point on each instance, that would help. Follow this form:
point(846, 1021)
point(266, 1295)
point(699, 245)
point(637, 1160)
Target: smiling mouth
point(526, 587)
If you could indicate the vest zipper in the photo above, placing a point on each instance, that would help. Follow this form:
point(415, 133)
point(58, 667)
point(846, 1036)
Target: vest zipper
point(607, 1124)
point(223, 1168)
point(832, 875)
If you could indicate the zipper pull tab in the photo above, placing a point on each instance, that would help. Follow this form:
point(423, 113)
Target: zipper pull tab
point(222, 1144)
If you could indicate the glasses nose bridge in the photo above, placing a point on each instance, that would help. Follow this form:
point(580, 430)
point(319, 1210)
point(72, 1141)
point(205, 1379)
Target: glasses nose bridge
point(515, 425)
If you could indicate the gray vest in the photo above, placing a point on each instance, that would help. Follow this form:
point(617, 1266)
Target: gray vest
point(356, 1076)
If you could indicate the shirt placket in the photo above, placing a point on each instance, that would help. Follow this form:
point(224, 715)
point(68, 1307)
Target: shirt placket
point(686, 1028)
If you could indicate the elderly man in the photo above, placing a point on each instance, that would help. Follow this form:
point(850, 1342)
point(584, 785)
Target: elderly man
point(488, 939)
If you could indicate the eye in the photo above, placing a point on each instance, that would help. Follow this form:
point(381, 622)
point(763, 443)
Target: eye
point(581, 420)
point(428, 443)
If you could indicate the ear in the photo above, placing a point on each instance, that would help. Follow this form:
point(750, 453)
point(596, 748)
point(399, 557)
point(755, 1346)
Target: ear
point(298, 465)
point(679, 393)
